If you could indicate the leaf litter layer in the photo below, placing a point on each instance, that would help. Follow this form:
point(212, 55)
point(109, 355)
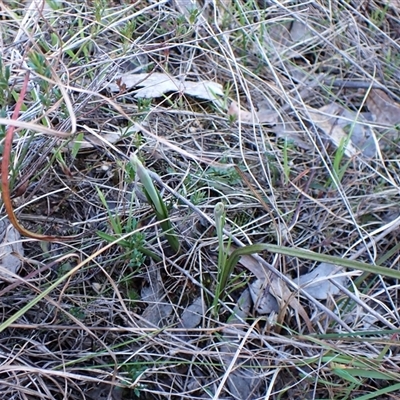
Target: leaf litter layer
point(300, 148)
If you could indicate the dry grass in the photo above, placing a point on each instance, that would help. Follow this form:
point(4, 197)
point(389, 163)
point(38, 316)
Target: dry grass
point(100, 317)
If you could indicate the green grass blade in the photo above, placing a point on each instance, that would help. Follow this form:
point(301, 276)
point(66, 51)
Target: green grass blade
point(378, 393)
point(310, 255)
point(114, 220)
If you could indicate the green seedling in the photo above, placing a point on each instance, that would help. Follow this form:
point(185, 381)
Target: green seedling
point(224, 270)
point(180, 28)
point(76, 146)
point(144, 105)
point(286, 166)
point(4, 83)
point(194, 13)
point(220, 177)
point(128, 30)
point(339, 170)
point(157, 203)
point(135, 244)
point(61, 161)
point(39, 64)
point(379, 15)
point(99, 9)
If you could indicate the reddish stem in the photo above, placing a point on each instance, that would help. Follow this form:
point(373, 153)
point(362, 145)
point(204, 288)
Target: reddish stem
point(5, 185)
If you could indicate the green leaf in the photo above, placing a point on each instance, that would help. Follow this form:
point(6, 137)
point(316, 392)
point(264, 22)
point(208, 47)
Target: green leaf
point(156, 201)
point(344, 374)
point(379, 393)
point(77, 144)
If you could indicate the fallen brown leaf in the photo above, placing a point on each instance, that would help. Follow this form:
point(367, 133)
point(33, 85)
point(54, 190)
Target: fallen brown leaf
point(11, 249)
point(326, 119)
point(384, 110)
point(282, 293)
point(263, 116)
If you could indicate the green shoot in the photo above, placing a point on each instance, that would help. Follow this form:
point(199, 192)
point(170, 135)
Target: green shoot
point(135, 244)
point(286, 166)
point(77, 144)
point(224, 269)
point(155, 200)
